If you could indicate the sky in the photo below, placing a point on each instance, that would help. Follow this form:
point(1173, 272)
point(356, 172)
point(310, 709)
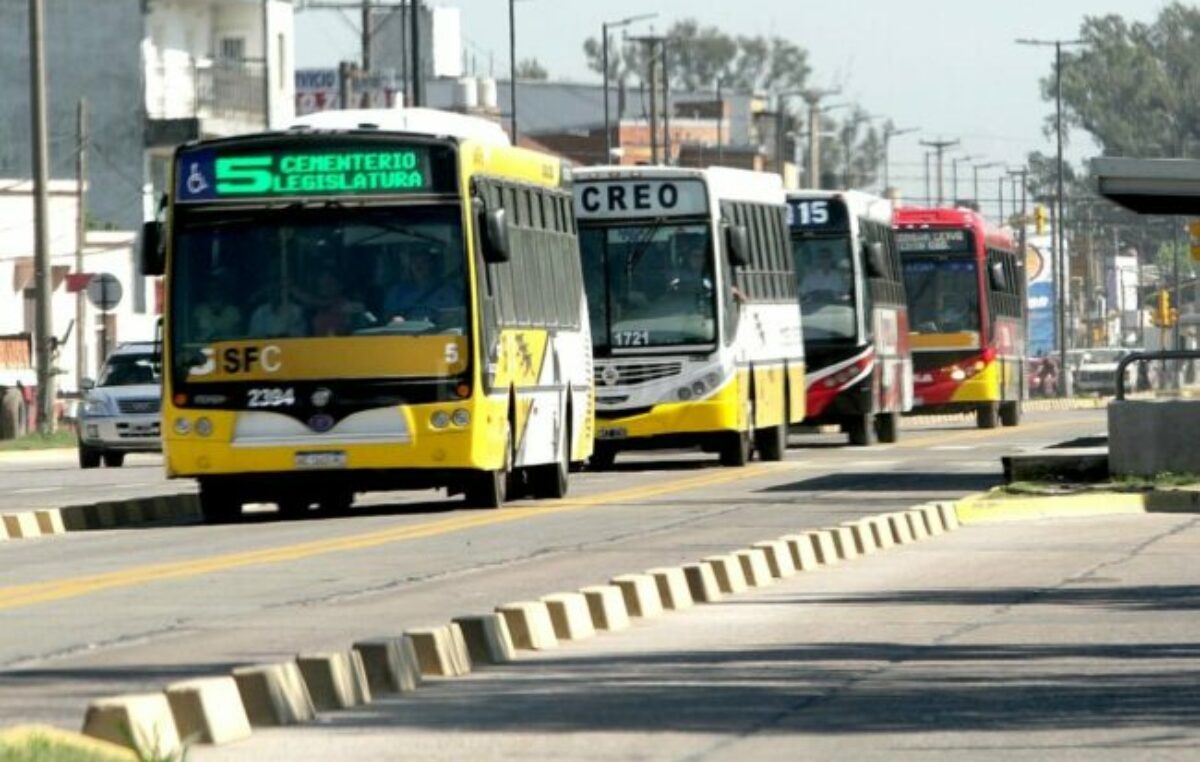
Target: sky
point(948, 67)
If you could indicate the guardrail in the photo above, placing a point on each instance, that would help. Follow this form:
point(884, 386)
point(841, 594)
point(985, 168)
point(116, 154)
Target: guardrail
point(1169, 354)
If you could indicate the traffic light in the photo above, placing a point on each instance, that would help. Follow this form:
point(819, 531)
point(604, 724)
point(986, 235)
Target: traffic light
point(1039, 219)
point(1163, 313)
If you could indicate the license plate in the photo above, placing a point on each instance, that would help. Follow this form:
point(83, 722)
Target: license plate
point(616, 432)
point(144, 431)
point(320, 460)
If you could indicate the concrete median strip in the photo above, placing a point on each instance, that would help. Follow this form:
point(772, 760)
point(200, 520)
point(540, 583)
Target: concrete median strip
point(933, 519)
point(530, 625)
point(391, 664)
point(487, 639)
point(335, 680)
point(570, 616)
point(142, 722)
point(779, 558)
point(901, 529)
point(673, 588)
point(863, 536)
point(823, 544)
point(641, 595)
point(754, 567)
point(107, 514)
point(606, 604)
point(439, 652)
point(50, 522)
point(731, 580)
point(916, 525)
point(843, 543)
point(208, 710)
point(21, 526)
point(804, 553)
point(702, 582)
point(274, 695)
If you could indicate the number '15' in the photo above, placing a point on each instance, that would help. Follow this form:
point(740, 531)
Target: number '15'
point(250, 174)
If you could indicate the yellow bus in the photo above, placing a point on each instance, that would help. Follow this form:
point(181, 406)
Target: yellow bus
point(695, 315)
point(372, 300)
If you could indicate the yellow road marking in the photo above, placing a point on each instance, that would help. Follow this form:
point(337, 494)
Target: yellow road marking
point(55, 590)
point(977, 433)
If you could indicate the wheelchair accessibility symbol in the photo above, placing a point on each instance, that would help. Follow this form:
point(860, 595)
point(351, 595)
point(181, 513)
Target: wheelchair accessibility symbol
point(196, 182)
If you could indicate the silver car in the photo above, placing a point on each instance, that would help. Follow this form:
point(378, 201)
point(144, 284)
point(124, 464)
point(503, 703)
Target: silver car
point(120, 411)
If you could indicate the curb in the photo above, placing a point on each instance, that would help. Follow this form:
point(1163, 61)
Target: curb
point(23, 734)
point(983, 509)
point(224, 709)
point(107, 514)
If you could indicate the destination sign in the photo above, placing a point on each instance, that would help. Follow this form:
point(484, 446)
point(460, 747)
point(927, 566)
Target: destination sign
point(817, 214)
point(639, 198)
point(206, 174)
point(932, 241)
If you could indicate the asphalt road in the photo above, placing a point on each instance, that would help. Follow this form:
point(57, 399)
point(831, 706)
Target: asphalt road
point(52, 479)
point(99, 613)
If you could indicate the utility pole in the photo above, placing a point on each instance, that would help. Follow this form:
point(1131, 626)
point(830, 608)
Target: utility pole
point(80, 240)
point(43, 325)
point(604, 27)
point(365, 32)
point(928, 179)
point(954, 161)
point(976, 168)
point(939, 147)
point(668, 158)
point(1000, 196)
point(652, 44)
point(813, 99)
point(418, 76)
point(720, 122)
point(512, 57)
point(890, 132)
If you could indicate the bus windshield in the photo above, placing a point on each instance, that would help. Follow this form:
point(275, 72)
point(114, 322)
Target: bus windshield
point(304, 273)
point(650, 284)
point(943, 293)
point(825, 271)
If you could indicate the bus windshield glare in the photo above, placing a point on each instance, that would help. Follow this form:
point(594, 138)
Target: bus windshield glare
point(649, 284)
point(943, 293)
point(305, 273)
point(825, 271)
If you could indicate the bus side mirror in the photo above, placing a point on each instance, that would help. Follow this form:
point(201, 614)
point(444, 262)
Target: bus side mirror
point(153, 256)
point(876, 263)
point(87, 384)
point(158, 346)
point(997, 277)
point(496, 245)
point(737, 245)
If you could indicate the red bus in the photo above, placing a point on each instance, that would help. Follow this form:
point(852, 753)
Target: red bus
point(966, 306)
point(856, 335)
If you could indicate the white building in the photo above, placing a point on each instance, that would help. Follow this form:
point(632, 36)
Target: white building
point(215, 68)
point(106, 251)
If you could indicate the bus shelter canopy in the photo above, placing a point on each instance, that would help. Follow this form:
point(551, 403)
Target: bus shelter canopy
point(1150, 186)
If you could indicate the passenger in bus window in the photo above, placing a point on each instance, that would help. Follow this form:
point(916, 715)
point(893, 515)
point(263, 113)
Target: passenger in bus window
point(954, 314)
point(691, 274)
point(278, 316)
point(216, 318)
point(424, 293)
point(824, 282)
point(337, 315)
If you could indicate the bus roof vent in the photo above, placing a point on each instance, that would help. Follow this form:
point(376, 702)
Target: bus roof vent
point(413, 120)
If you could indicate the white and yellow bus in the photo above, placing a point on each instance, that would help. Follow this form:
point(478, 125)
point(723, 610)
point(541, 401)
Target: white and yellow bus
point(694, 311)
point(371, 301)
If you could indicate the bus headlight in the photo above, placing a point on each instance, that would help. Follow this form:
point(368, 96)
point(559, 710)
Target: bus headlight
point(440, 419)
point(204, 427)
point(684, 393)
point(958, 374)
point(460, 418)
point(712, 380)
point(698, 389)
point(183, 427)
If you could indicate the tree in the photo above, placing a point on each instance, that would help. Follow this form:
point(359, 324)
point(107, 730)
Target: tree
point(532, 69)
point(1135, 87)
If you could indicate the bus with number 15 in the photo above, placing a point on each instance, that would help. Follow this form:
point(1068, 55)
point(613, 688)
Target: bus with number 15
point(372, 300)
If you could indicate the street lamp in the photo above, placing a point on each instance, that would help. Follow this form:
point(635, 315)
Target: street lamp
point(889, 132)
point(512, 58)
point(954, 162)
point(604, 46)
point(847, 133)
point(976, 168)
point(1059, 260)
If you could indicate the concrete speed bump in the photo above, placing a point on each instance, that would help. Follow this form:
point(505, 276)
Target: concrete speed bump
point(702, 582)
point(881, 529)
point(673, 588)
point(570, 616)
point(391, 665)
point(208, 710)
point(843, 543)
point(21, 526)
point(754, 567)
point(607, 607)
point(274, 695)
point(779, 558)
point(487, 639)
point(335, 680)
point(439, 652)
point(864, 537)
point(916, 524)
point(949, 514)
point(529, 624)
point(823, 544)
point(50, 521)
point(731, 580)
point(142, 722)
point(901, 530)
point(641, 595)
point(804, 554)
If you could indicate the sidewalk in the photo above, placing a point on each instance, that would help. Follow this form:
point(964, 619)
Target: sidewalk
point(1066, 639)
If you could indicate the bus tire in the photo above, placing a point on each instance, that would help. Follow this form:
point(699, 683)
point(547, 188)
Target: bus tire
point(735, 449)
point(551, 481)
point(489, 489)
point(114, 459)
point(987, 416)
point(218, 505)
point(603, 457)
point(887, 427)
point(771, 442)
point(1010, 413)
point(89, 457)
point(861, 429)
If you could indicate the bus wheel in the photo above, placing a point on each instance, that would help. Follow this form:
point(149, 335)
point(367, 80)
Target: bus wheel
point(218, 505)
point(1010, 413)
point(887, 427)
point(603, 457)
point(489, 489)
point(550, 481)
point(735, 449)
point(988, 416)
point(771, 443)
point(861, 429)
